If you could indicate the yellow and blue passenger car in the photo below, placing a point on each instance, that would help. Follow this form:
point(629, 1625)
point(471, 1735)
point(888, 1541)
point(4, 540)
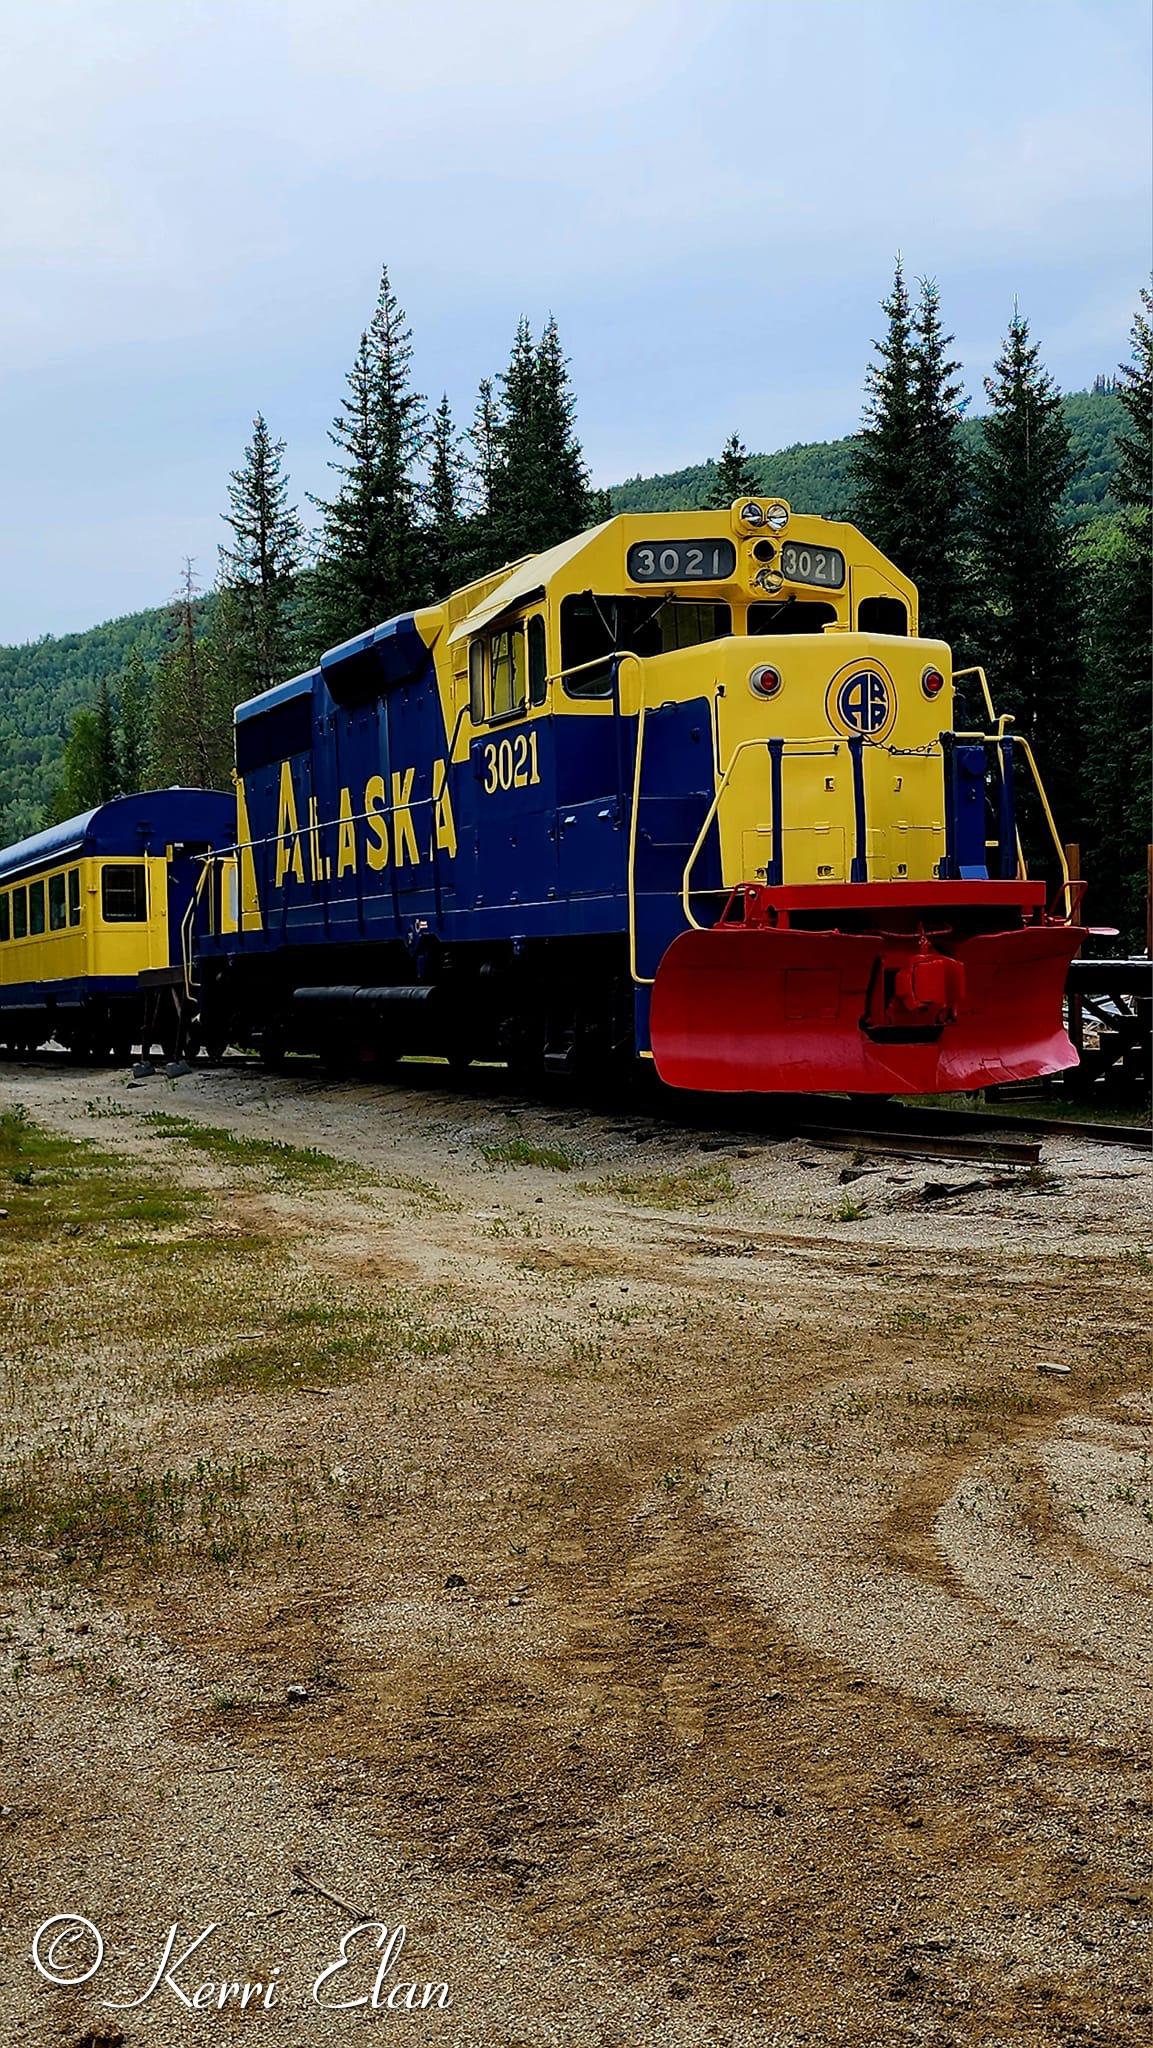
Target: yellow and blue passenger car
point(89, 907)
point(689, 786)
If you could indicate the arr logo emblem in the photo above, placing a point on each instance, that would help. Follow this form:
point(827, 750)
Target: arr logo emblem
point(862, 701)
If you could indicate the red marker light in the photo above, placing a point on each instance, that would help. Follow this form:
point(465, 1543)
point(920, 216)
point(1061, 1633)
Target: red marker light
point(932, 682)
point(765, 682)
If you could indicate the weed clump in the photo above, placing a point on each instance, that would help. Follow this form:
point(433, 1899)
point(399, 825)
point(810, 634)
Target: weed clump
point(519, 1152)
point(698, 1187)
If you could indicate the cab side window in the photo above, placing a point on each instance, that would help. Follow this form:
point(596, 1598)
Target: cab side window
point(57, 908)
point(123, 895)
point(476, 681)
point(507, 668)
point(537, 661)
point(882, 615)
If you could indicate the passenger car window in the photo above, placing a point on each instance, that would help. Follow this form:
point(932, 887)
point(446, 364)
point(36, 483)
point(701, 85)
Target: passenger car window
point(123, 898)
point(35, 909)
point(5, 919)
point(73, 895)
point(57, 909)
point(19, 913)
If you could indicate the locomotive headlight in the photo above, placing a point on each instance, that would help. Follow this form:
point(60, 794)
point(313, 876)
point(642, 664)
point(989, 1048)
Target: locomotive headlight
point(777, 517)
point(768, 579)
point(932, 682)
point(765, 681)
point(752, 514)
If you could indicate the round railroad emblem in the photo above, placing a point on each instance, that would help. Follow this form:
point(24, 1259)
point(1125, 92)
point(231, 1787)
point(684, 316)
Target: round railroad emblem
point(862, 700)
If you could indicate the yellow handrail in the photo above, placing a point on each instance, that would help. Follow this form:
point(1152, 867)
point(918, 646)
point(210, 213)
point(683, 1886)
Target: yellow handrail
point(821, 741)
point(710, 814)
point(985, 691)
point(206, 861)
point(1020, 740)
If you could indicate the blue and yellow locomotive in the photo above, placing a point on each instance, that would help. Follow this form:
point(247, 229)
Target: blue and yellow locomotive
point(688, 786)
point(91, 913)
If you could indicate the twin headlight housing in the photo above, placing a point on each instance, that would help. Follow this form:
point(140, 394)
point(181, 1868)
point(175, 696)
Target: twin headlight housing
point(753, 514)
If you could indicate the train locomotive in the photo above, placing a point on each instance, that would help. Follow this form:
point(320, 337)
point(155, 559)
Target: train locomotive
point(687, 788)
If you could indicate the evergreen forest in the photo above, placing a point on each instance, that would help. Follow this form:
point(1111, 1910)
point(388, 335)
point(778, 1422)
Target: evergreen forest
point(1026, 529)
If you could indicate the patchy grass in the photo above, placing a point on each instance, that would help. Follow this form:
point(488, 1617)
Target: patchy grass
point(205, 1513)
point(696, 1188)
point(301, 1166)
point(328, 1342)
point(57, 1187)
point(519, 1152)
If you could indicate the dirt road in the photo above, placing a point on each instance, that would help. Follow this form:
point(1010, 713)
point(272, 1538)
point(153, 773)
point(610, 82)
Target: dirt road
point(704, 1596)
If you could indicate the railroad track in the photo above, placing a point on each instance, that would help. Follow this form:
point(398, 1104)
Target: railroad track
point(957, 1133)
point(992, 1150)
point(890, 1129)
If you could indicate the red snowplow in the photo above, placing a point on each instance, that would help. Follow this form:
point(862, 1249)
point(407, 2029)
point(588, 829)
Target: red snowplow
point(870, 991)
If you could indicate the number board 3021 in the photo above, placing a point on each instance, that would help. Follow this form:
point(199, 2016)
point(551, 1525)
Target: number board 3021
point(801, 564)
point(681, 561)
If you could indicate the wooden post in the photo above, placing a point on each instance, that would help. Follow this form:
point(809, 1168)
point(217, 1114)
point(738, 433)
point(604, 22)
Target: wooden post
point(1076, 1010)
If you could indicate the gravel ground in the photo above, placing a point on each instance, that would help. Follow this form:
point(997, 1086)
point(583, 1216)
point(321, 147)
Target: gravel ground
point(713, 1620)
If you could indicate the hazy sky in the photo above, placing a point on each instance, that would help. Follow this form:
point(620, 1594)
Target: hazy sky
point(197, 197)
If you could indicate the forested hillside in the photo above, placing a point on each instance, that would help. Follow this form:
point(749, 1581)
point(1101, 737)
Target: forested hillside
point(814, 475)
point(44, 682)
point(41, 685)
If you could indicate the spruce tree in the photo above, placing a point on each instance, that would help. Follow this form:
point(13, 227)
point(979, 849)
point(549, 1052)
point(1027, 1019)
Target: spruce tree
point(516, 485)
point(192, 722)
point(939, 477)
point(539, 490)
point(78, 788)
point(88, 774)
point(908, 467)
point(1021, 468)
point(257, 572)
point(566, 503)
point(1135, 449)
point(733, 475)
point(1116, 560)
point(444, 532)
point(880, 461)
point(371, 559)
point(480, 466)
